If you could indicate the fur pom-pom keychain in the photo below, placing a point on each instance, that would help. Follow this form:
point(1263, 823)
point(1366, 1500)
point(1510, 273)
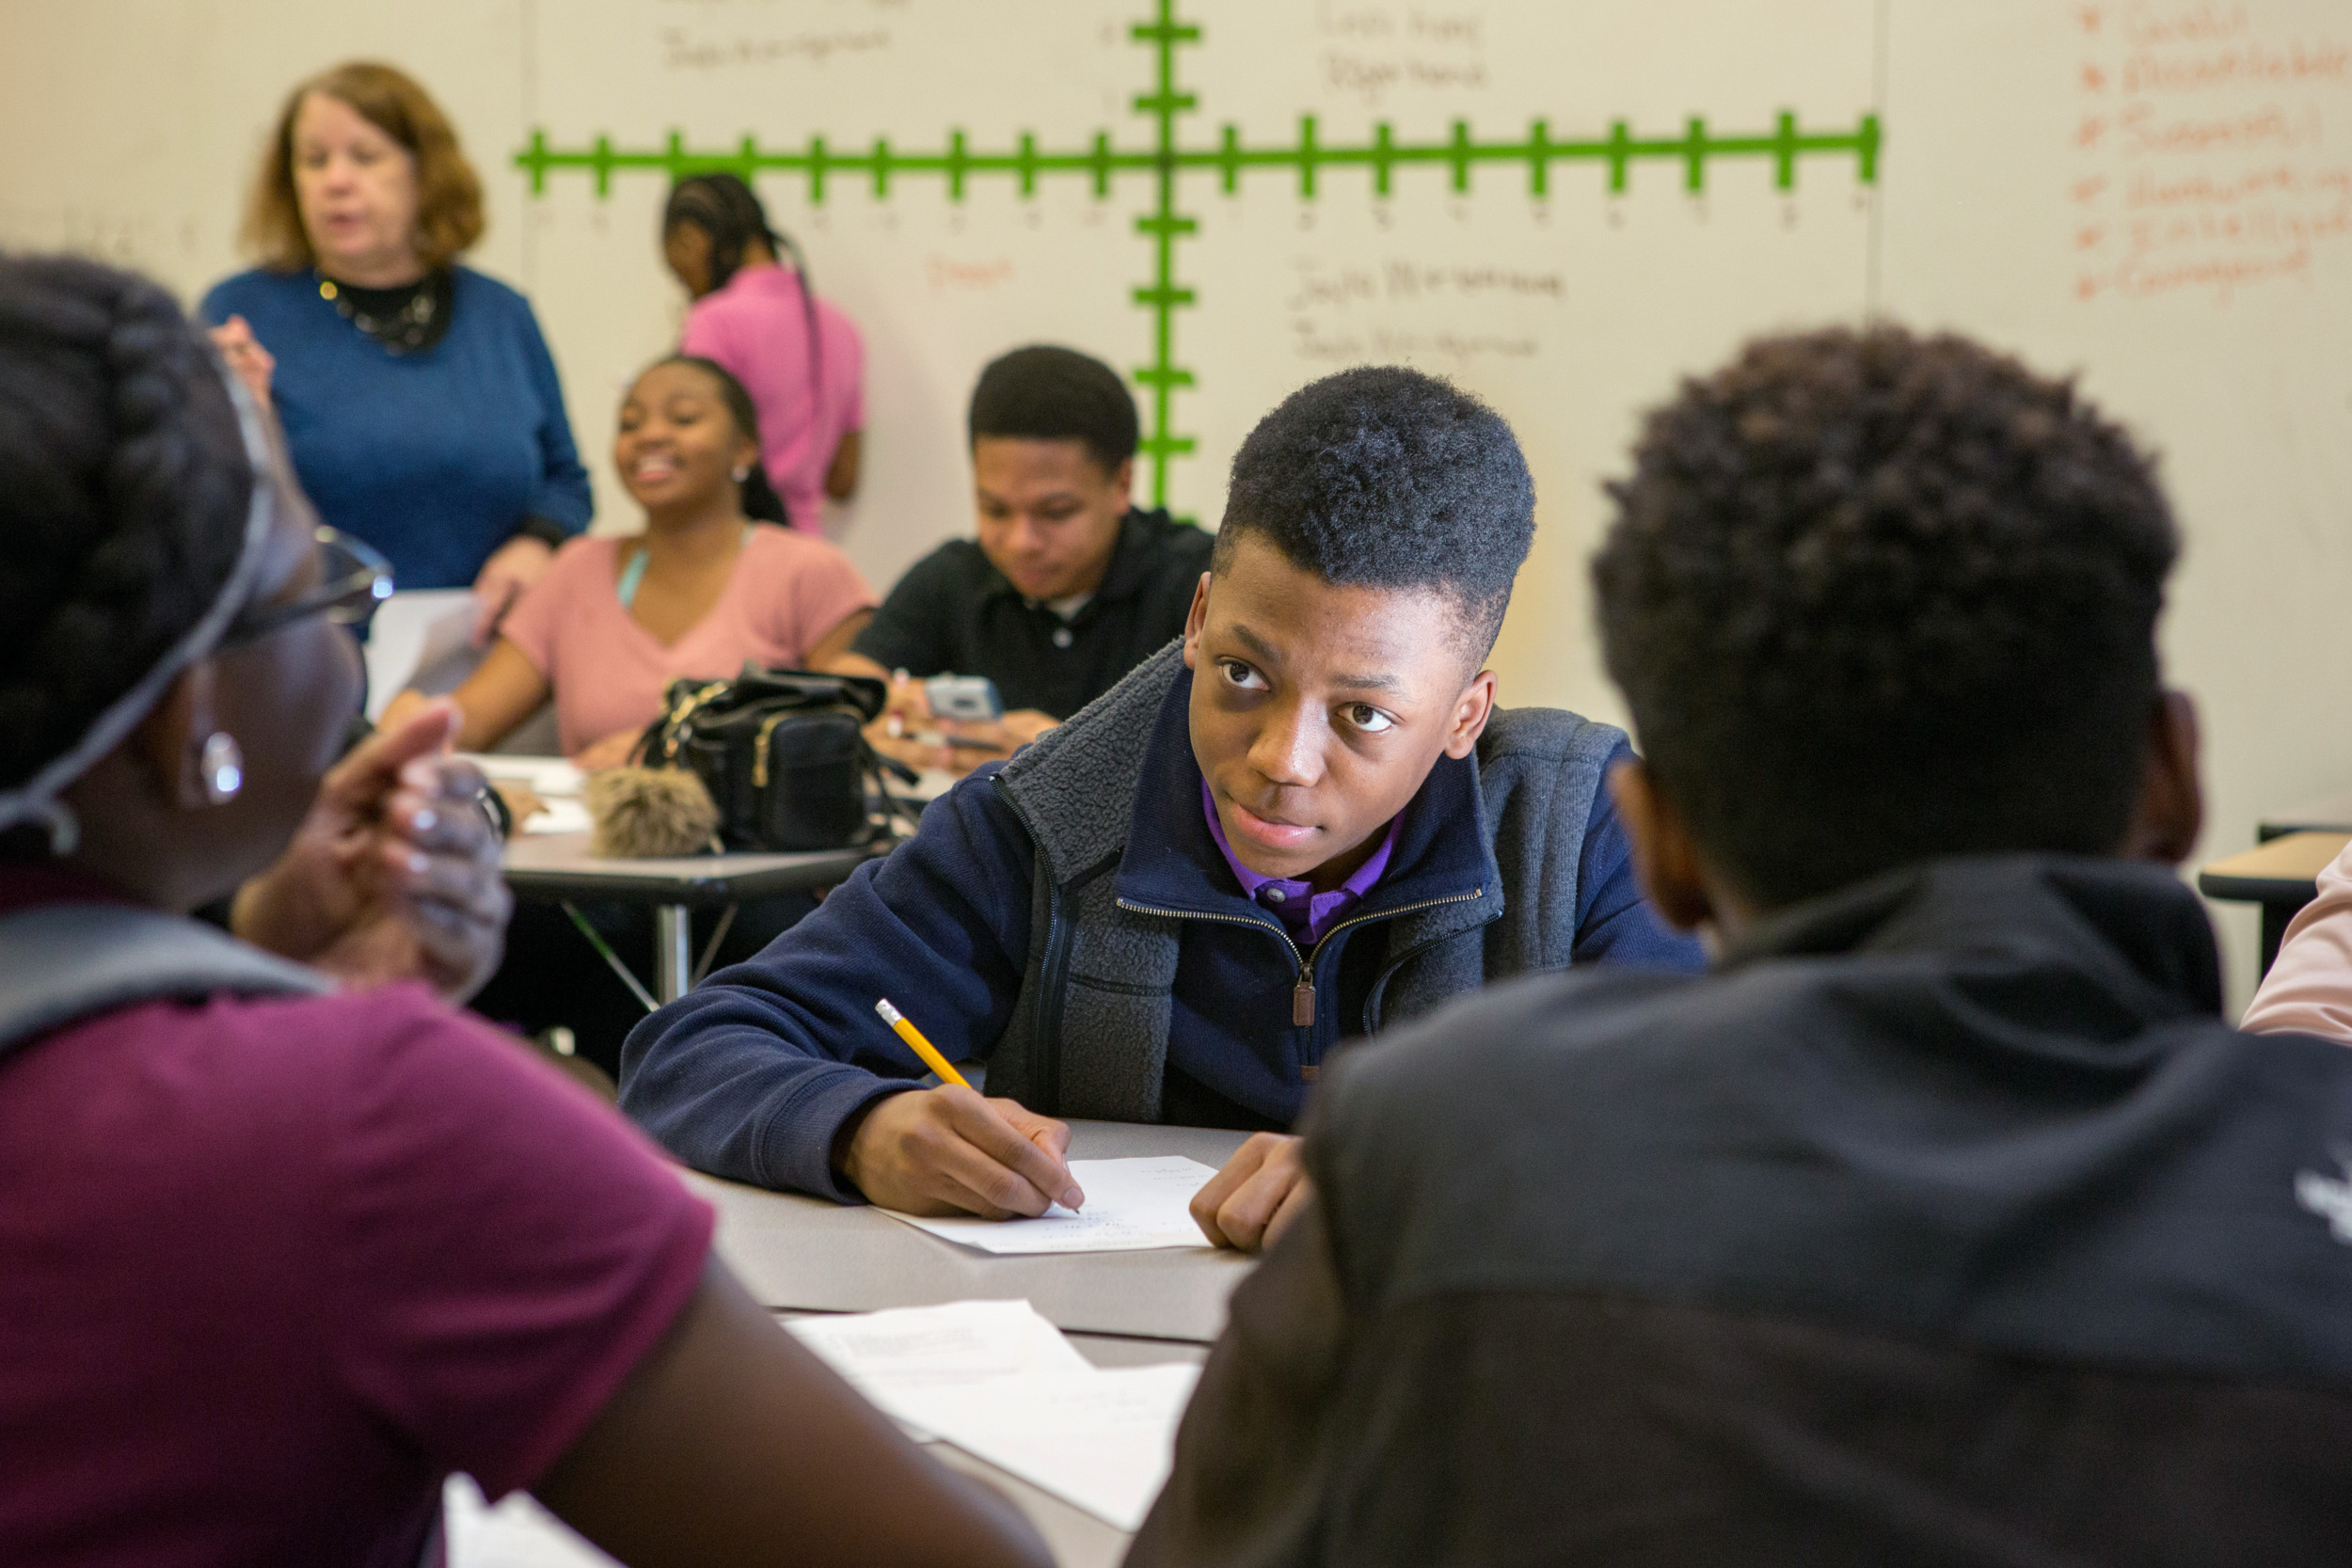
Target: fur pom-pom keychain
point(641, 813)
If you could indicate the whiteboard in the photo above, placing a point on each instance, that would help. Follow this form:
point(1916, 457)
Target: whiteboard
point(1563, 206)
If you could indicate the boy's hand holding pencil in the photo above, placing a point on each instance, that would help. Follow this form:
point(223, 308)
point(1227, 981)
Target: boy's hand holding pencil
point(949, 1151)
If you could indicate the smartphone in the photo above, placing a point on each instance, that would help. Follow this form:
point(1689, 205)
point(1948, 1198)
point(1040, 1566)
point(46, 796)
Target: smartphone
point(970, 698)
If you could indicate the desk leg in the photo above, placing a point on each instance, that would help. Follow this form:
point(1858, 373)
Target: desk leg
point(673, 950)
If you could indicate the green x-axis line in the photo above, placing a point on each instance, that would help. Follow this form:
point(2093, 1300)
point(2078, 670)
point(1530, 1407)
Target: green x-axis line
point(959, 164)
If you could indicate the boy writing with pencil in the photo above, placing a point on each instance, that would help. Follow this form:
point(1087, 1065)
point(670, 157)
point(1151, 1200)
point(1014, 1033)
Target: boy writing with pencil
point(1305, 821)
point(1945, 1221)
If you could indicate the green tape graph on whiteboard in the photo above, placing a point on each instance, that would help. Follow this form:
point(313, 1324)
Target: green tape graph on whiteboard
point(1166, 161)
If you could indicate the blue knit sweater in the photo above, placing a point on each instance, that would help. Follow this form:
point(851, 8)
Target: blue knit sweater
point(435, 457)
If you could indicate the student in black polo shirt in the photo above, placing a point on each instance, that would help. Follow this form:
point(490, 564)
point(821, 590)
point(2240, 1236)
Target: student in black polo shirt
point(1069, 585)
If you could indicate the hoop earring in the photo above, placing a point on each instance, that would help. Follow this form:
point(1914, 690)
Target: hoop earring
point(220, 768)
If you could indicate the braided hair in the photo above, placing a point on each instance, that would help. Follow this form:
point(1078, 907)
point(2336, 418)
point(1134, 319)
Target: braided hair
point(723, 207)
point(754, 494)
point(124, 486)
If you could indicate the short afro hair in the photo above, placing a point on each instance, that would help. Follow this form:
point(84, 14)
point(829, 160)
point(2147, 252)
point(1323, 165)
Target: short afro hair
point(1043, 393)
point(1875, 597)
point(1384, 477)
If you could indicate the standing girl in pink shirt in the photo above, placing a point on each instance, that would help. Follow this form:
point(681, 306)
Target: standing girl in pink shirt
point(797, 357)
point(709, 584)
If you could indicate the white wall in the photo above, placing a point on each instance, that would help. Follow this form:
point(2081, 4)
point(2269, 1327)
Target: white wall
point(2001, 209)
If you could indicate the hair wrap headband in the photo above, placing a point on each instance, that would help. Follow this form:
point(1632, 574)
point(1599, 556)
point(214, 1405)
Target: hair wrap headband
point(36, 800)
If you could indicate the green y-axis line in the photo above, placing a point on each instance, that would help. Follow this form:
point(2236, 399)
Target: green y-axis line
point(1164, 225)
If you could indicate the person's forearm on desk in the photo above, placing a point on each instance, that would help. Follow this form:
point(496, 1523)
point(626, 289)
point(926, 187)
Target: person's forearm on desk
point(854, 664)
point(503, 691)
point(731, 1444)
point(735, 1081)
point(906, 713)
point(2309, 988)
point(753, 1075)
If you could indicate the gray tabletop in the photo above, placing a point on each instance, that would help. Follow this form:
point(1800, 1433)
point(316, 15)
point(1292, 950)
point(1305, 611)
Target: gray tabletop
point(805, 1253)
point(558, 866)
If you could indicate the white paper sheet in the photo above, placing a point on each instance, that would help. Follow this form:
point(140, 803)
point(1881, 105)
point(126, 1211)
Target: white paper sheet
point(550, 778)
point(1099, 1439)
point(416, 636)
point(517, 1533)
point(1130, 1206)
point(554, 780)
point(991, 1377)
point(892, 1355)
point(561, 816)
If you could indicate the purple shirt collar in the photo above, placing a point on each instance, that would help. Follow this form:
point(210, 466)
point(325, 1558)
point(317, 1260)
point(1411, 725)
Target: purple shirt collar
point(1304, 912)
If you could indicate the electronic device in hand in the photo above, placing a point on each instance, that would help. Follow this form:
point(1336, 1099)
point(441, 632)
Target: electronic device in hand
point(971, 698)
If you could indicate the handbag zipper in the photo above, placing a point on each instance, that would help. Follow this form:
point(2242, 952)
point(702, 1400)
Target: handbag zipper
point(759, 744)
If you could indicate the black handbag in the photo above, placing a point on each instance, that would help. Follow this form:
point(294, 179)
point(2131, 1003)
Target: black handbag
point(783, 753)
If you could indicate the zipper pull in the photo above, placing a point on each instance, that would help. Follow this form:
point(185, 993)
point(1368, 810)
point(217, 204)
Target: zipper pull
point(1303, 1001)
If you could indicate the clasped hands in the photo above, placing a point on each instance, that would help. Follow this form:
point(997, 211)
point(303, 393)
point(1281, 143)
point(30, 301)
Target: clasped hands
point(394, 873)
point(950, 1151)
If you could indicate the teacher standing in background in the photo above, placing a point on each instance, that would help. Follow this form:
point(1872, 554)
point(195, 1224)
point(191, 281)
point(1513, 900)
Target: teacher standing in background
point(418, 401)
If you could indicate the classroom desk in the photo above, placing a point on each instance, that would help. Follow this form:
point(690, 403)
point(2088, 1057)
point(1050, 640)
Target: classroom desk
point(2280, 874)
point(557, 868)
point(522, 1534)
point(808, 1254)
point(803, 1256)
point(1077, 1538)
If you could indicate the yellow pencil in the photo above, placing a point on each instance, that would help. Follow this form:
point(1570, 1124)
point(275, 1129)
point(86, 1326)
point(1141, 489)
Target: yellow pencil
point(923, 1048)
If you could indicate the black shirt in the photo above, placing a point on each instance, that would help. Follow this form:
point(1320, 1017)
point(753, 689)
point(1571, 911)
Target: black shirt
point(953, 613)
point(1943, 1222)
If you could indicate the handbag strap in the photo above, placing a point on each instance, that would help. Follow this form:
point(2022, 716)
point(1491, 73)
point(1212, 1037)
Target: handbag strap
point(61, 962)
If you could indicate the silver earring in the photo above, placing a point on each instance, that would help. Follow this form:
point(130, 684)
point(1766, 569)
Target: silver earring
point(743, 473)
point(220, 766)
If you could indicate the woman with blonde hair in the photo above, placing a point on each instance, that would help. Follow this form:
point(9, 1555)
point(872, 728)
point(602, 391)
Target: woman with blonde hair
point(418, 397)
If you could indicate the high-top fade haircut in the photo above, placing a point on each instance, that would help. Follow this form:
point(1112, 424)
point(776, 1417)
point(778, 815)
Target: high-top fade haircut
point(1384, 477)
point(1875, 597)
point(1045, 393)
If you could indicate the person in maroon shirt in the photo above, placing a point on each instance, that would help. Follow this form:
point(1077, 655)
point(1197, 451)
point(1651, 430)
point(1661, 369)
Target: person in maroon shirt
point(271, 1268)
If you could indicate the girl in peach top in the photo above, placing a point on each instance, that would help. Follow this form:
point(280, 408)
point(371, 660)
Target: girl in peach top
point(705, 587)
point(2309, 988)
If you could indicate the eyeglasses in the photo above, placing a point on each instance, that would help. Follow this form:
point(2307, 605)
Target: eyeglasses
point(354, 580)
